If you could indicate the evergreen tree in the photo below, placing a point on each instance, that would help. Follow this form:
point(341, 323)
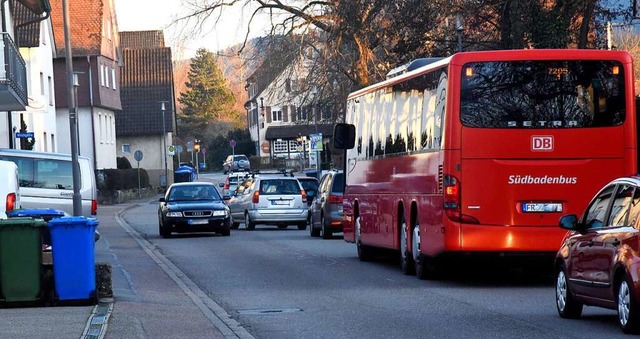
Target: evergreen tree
point(208, 98)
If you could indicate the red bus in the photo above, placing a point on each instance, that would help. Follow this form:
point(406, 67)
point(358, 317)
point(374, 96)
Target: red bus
point(482, 152)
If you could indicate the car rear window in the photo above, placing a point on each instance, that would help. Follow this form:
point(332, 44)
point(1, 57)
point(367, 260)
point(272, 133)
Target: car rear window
point(309, 184)
point(240, 157)
point(43, 173)
point(338, 183)
point(279, 186)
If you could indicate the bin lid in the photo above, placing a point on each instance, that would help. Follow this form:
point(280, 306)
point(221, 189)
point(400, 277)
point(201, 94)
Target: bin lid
point(22, 222)
point(73, 221)
point(36, 213)
point(183, 171)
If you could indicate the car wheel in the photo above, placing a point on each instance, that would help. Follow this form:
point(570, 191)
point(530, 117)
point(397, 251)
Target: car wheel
point(406, 258)
point(250, 225)
point(365, 253)
point(312, 230)
point(235, 225)
point(302, 226)
point(627, 308)
point(566, 305)
point(226, 232)
point(326, 234)
point(161, 229)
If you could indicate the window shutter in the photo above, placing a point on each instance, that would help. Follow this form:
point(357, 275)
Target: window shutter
point(268, 114)
point(294, 113)
point(285, 113)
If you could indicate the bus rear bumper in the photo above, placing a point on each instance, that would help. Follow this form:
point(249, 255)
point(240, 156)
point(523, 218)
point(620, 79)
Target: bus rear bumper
point(486, 238)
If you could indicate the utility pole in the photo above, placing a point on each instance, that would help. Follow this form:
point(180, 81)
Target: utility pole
point(164, 147)
point(73, 114)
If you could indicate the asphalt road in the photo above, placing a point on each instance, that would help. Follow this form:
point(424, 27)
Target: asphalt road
point(285, 284)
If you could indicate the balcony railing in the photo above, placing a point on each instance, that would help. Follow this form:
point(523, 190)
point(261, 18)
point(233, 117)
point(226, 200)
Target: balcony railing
point(13, 76)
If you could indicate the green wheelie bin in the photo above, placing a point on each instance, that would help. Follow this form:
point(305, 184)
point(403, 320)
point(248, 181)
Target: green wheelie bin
point(20, 259)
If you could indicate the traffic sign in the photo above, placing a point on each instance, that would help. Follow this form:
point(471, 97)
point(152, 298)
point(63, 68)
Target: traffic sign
point(24, 135)
point(189, 146)
point(203, 150)
point(232, 143)
point(138, 155)
point(179, 149)
point(171, 150)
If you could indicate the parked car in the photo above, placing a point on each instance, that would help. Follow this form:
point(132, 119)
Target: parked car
point(598, 263)
point(193, 207)
point(269, 199)
point(9, 188)
point(231, 183)
point(238, 162)
point(46, 180)
point(326, 207)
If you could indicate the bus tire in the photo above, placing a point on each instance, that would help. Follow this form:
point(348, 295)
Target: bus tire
point(407, 264)
point(426, 267)
point(365, 253)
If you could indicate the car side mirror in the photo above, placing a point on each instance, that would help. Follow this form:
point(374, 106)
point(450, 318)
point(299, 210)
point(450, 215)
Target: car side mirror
point(569, 222)
point(162, 199)
point(221, 184)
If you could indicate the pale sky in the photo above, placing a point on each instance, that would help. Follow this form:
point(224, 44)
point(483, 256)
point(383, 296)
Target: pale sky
point(138, 15)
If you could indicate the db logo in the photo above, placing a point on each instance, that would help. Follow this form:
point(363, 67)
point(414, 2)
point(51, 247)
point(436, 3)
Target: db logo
point(542, 143)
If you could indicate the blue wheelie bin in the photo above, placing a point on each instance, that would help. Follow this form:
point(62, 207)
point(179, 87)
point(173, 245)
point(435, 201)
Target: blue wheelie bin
point(74, 269)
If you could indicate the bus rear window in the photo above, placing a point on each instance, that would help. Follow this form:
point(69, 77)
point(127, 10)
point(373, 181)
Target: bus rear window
point(542, 94)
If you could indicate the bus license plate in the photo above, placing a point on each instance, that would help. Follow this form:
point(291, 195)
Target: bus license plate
point(541, 207)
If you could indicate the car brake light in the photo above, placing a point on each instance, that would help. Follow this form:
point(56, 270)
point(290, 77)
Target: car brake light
point(256, 197)
point(226, 184)
point(304, 195)
point(11, 202)
point(335, 199)
point(94, 207)
point(452, 201)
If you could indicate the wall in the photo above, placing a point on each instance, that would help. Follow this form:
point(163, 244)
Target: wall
point(152, 159)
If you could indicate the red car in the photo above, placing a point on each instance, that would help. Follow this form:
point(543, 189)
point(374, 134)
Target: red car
point(598, 263)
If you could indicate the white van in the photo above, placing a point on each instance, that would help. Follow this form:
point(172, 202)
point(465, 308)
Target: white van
point(46, 181)
point(9, 188)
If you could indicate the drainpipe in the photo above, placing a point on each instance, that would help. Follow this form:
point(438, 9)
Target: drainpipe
point(93, 128)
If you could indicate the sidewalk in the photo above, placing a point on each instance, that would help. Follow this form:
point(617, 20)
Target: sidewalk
point(147, 303)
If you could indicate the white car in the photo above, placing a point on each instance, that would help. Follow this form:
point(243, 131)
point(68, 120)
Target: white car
point(270, 200)
point(9, 188)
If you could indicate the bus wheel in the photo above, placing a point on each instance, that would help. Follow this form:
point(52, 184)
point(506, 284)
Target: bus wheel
point(406, 257)
point(426, 267)
point(364, 251)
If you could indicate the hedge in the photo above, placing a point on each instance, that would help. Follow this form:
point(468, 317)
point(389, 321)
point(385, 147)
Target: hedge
point(121, 179)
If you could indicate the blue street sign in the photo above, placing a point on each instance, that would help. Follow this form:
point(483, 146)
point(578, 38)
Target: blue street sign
point(23, 135)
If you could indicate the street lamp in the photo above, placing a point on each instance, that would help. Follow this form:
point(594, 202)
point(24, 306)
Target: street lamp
point(164, 146)
point(259, 115)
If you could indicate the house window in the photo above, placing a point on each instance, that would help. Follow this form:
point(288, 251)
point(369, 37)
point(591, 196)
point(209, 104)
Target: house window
point(280, 146)
point(126, 148)
point(50, 85)
point(276, 115)
point(106, 76)
point(44, 142)
point(293, 146)
point(53, 143)
point(101, 128)
point(41, 84)
point(113, 78)
point(101, 74)
point(302, 113)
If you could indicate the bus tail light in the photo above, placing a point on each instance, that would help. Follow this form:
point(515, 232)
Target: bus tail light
point(452, 201)
point(94, 207)
point(11, 202)
point(256, 197)
point(335, 199)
